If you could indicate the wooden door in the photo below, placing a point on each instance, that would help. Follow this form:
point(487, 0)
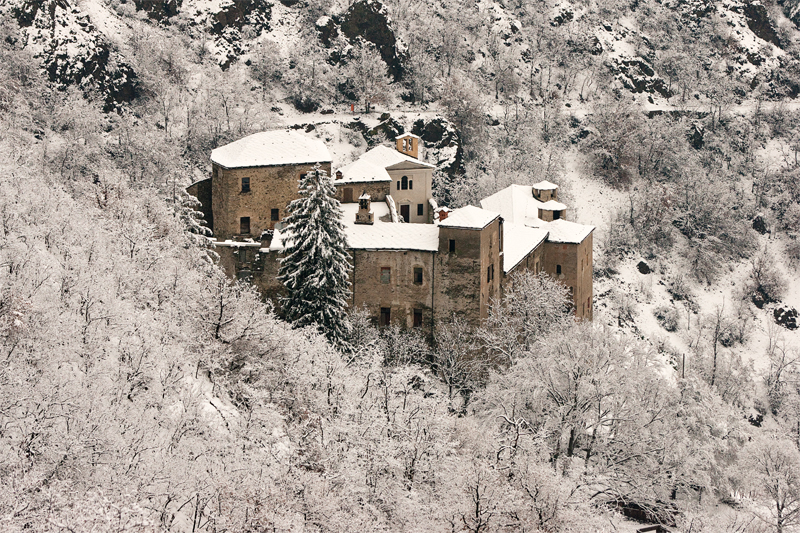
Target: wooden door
point(405, 212)
point(348, 195)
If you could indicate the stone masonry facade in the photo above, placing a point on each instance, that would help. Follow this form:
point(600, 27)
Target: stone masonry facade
point(413, 283)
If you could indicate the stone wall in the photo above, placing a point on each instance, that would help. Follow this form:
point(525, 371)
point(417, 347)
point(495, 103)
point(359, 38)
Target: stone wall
point(401, 295)
point(377, 190)
point(202, 191)
point(576, 271)
point(270, 188)
point(462, 285)
point(533, 262)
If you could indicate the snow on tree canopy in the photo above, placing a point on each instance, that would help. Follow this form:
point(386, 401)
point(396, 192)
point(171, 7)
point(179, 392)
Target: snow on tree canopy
point(316, 263)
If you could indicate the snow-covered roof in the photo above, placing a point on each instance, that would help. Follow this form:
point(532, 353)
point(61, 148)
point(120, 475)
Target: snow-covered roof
point(380, 235)
point(391, 236)
point(270, 148)
point(516, 204)
point(545, 186)
point(469, 217)
point(567, 232)
point(406, 135)
point(552, 205)
point(365, 196)
point(518, 242)
point(372, 165)
point(387, 235)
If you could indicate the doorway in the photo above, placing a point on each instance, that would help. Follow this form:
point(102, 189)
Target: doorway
point(405, 212)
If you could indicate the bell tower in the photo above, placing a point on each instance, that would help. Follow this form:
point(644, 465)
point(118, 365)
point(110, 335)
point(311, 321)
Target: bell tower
point(408, 144)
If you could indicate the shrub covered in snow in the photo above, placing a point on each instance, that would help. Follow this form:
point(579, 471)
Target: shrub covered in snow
point(667, 316)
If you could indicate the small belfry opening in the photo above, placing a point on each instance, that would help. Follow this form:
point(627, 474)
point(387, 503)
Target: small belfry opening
point(408, 144)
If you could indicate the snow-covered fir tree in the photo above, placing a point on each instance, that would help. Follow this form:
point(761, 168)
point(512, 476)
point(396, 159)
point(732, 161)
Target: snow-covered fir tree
point(314, 269)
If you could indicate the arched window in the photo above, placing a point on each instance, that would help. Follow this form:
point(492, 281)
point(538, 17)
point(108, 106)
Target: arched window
point(404, 183)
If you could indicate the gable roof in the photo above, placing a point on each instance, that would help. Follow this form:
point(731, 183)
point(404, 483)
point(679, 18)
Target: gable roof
point(567, 232)
point(469, 217)
point(518, 242)
point(516, 204)
point(271, 148)
point(372, 165)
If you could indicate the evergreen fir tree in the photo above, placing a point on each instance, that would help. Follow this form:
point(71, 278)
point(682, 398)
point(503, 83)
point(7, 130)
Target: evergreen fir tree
point(316, 262)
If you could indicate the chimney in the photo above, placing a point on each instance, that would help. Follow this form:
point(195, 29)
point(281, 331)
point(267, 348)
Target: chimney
point(364, 214)
point(408, 144)
point(338, 174)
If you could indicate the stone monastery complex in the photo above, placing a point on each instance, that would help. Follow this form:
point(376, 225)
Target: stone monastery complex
point(413, 262)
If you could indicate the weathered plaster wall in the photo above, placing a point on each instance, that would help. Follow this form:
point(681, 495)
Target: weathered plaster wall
point(423, 181)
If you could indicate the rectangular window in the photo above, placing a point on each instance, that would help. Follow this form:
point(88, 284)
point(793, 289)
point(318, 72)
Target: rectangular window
point(558, 269)
point(245, 184)
point(410, 184)
point(417, 276)
point(274, 215)
point(420, 210)
point(386, 275)
point(417, 318)
point(452, 246)
point(244, 225)
point(398, 185)
point(386, 317)
point(489, 274)
point(556, 215)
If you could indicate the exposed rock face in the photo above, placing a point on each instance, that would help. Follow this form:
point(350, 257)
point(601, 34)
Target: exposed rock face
point(442, 144)
point(369, 20)
point(760, 225)
point(791, 8)
point(786, 317)
point(160, 10)
point(638, 76)
point(327, 30)
point(643, 268)
point(759, 22)
point(697, 135)
point(73, 52)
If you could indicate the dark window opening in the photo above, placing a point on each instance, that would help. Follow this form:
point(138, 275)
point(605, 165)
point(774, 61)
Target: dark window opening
point(274, 215)
point(245, 184)
point(404, 182)
point(417, 276)
point(420, 210)
point(558, 269)
point(386, 317)
point(398, 185)
point(244, 225)
point(410, 184)
point(386, 275)
point(417, 318)
point(490, 273)
point(556, 215)
point(452, 246)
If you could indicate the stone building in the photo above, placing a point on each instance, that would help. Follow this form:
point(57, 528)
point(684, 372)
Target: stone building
point(413, 263)
point(254, 179)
